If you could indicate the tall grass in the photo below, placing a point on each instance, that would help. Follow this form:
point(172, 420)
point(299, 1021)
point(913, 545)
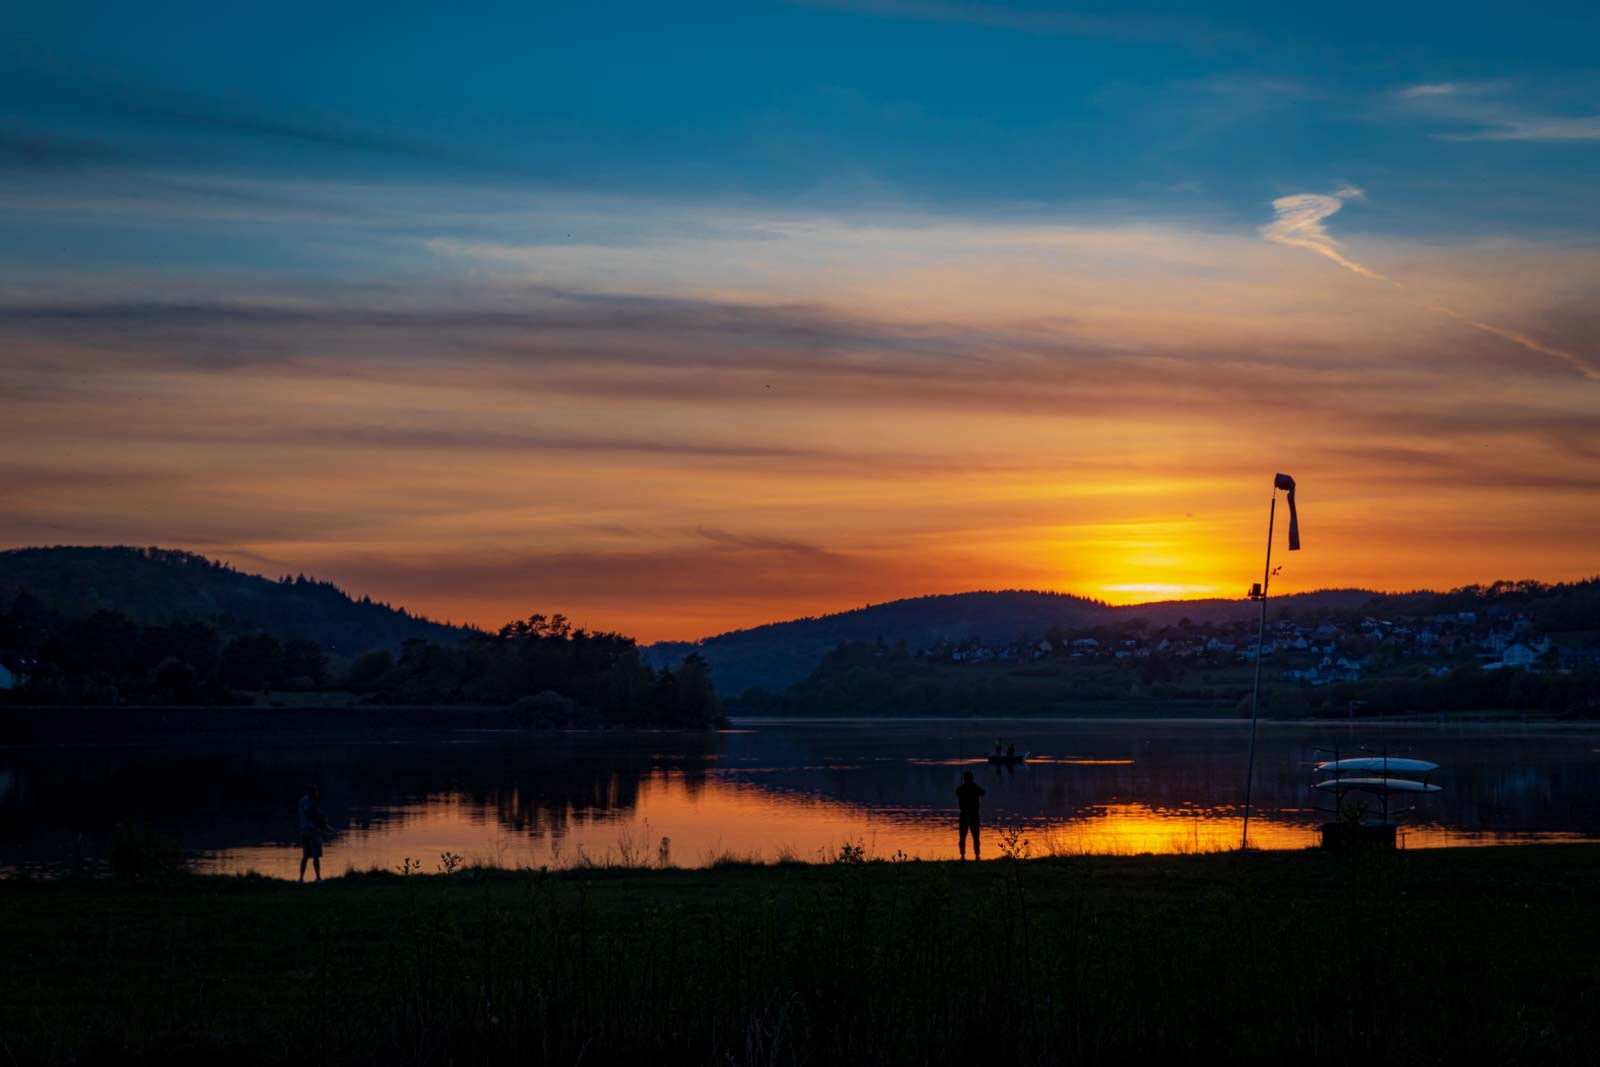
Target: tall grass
point(1374, 956)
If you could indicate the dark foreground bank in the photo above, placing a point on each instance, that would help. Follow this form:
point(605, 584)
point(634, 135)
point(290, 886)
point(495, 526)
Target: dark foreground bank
point(1422, 956)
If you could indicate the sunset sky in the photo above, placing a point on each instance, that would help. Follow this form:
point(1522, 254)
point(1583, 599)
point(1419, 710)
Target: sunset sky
point(683, 317)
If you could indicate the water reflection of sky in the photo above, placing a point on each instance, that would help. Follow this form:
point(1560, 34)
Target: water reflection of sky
point(771, 791)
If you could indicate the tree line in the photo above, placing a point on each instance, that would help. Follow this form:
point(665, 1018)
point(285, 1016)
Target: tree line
point(544, 671)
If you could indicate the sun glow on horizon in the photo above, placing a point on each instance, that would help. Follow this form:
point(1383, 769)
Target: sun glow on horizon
point(669, 467)
point(1148, 592)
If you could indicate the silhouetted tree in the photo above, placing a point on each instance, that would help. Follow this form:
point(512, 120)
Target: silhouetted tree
point(305, 660)
point(252, 663)
point(369, 669)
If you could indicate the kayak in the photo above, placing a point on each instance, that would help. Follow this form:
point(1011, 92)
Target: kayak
point(1377, 785)
point(1382, 764)
point(1000, 757)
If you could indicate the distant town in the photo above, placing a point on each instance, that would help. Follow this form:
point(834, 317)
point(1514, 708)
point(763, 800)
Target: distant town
point(1520, 647)
point(1331, 650)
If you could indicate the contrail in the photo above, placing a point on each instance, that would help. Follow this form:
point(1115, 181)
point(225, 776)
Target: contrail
point(1577, 362)
point(1298, 224)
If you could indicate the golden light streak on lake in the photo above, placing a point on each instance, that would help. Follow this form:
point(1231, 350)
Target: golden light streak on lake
point(704, 822)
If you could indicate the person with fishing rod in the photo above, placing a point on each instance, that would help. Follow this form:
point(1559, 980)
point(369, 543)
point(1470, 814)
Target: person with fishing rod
point(313, 828)
point(967, 794)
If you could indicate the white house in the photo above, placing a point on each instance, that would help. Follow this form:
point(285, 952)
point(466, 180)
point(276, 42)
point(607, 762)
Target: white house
point(1519, 655)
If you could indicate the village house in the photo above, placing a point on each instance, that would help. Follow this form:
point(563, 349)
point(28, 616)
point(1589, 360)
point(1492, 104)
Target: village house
point(1517, 656)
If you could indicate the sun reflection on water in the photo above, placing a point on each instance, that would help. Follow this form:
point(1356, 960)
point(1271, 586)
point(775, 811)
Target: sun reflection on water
point(729, 817)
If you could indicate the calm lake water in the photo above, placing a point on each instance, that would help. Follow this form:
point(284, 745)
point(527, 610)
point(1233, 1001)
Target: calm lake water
point(769, 789)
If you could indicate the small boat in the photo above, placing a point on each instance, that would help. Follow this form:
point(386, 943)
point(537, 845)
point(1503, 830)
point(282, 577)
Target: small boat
point(1377, 785)
point(1382, 764)
point(1008, 757)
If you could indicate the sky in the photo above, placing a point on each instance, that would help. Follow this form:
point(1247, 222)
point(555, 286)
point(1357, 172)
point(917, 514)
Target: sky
point(678, 318)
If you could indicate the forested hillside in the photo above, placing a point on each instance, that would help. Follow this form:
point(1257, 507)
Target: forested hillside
point(157, 585)
point(781, 653)
point(128, 626)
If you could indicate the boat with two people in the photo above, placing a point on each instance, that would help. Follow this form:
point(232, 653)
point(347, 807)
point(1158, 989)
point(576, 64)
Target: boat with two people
point(1006, 754)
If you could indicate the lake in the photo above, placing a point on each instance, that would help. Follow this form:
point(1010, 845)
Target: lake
point(770, 789)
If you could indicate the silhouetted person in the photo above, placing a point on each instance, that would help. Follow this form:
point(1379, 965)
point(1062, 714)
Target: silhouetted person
point(967, 793)
point(312, 827)
point(1011, 750)
point(997, 746)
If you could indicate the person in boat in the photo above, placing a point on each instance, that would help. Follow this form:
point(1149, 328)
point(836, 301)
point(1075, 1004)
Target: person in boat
point(1011, 752)
point(312, 827)
point(997, 746)
point(967, 794)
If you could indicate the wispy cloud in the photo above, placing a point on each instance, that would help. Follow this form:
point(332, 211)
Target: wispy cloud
point(757, 543)
point(1298, 224)
point(1578, 363)
point(40, 150)
point(1145, 27)
point(1534, 128)
point(1496, 111)
point(146, 116)
point(1429, 89)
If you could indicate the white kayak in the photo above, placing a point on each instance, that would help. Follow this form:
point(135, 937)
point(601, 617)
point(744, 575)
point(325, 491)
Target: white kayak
point(1381, 764)
point(1378, 785)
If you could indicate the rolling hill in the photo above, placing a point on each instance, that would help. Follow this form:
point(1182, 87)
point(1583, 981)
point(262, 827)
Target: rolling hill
point(779, 654)
point(155, 585)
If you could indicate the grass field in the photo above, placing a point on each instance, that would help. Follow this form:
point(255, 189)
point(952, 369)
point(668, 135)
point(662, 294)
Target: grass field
point(1432, 956)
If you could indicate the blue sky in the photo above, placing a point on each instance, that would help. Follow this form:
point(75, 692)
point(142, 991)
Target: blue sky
point(967, 109)
point(759, 294)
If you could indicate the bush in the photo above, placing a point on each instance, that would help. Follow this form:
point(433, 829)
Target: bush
point(137, 851)
point(368, 670)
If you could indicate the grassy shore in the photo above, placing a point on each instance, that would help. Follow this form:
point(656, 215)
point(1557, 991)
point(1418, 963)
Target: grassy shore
point(1428, 956)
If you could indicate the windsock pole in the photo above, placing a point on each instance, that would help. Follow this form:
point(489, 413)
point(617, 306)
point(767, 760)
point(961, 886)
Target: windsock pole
point(1255, 693)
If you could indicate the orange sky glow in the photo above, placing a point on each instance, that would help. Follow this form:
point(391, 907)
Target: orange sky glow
point(803, 417)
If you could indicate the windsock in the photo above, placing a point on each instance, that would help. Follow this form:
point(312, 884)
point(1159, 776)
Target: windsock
point(1283, 481)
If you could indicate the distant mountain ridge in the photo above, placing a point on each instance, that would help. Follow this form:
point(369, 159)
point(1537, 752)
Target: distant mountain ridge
point(779, 654)
point(154, 585)
point(157, 585)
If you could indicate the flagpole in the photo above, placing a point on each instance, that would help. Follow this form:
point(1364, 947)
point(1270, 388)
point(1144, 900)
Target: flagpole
point(1255, 693)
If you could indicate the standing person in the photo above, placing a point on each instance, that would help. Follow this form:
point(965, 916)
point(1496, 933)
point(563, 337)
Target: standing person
point(967, 793)
point(312, 827)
